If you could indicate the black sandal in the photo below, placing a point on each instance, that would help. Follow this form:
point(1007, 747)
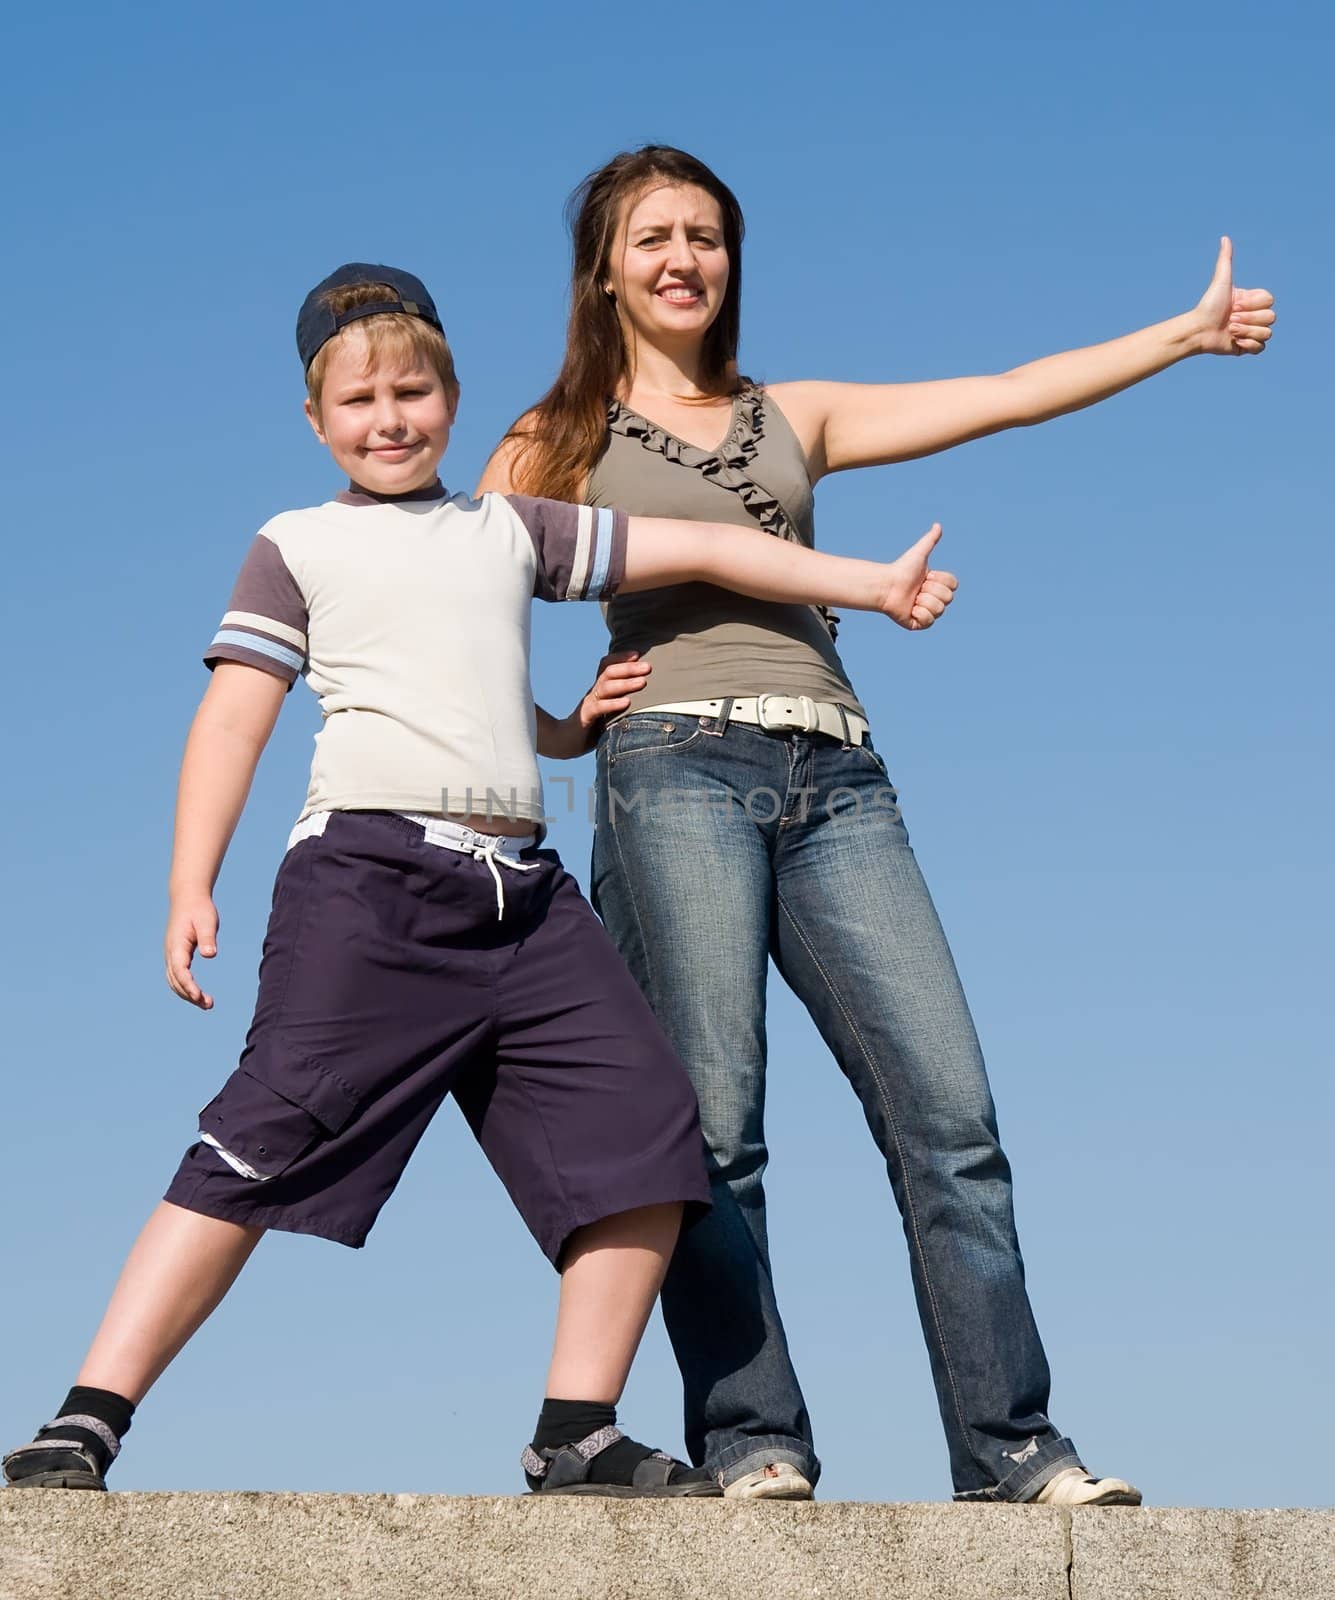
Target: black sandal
point(655, 1476)
point(72, 1466)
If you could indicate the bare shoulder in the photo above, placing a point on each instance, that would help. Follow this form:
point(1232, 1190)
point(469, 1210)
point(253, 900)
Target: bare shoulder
point(805, 404)
point(793, 395)
point(498, 476)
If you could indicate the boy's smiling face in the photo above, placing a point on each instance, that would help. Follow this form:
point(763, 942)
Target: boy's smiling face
point(386, 420)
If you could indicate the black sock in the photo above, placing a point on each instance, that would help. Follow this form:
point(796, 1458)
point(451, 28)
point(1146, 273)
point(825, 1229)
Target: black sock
point(568, 1421)
point(112, 1410)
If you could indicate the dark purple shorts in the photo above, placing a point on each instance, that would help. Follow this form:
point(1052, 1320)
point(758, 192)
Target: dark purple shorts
point(387, 982)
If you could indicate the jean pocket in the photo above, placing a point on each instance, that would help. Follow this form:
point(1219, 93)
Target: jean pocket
point(866, 755)
point(269, 1128)
point(650, 734)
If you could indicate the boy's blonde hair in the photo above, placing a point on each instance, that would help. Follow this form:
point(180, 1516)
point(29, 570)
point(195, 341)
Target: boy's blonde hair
point(390, 335)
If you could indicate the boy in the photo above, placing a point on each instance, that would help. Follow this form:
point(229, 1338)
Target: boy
point(419, 944)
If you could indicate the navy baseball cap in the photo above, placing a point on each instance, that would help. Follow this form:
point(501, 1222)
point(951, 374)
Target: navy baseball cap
point(317, 324)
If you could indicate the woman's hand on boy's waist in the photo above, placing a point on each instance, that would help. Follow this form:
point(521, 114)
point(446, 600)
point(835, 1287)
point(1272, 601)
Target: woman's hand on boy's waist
point(619, 677)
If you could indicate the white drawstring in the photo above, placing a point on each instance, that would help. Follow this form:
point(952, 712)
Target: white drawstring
point(493, 849)
point(487, 853)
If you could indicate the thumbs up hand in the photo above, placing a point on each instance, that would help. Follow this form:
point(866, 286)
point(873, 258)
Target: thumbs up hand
point(915, 595)
point(1234, 322)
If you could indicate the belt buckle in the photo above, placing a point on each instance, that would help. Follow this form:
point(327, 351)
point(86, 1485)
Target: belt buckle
point(810, 722)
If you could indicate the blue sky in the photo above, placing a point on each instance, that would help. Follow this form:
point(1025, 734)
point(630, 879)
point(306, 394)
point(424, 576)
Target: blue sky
point(1114, 755)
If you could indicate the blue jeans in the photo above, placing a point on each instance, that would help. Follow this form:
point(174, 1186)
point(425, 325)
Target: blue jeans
point(715, 849)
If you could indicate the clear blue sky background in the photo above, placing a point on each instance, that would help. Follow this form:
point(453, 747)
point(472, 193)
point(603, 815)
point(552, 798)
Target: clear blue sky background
point(1114, 756)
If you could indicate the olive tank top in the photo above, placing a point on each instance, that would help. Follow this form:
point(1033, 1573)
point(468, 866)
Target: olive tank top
point(706, 642)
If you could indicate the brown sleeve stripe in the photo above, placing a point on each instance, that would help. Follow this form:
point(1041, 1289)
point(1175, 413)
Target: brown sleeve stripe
point(270, 626)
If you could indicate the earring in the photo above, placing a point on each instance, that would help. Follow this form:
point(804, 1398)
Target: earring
point(609, 291)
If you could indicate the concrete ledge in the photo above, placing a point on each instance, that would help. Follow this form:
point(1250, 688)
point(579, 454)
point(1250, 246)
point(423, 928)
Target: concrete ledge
point(1161, 1554)
point(58, 1545)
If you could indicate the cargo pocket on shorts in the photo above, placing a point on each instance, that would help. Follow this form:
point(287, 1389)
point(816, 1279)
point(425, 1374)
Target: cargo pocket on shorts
point(261, 1131)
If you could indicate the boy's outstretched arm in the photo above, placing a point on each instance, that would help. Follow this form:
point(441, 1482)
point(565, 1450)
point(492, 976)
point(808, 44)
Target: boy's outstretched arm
point(227, 737)
point(843, 425)
point(660, 551)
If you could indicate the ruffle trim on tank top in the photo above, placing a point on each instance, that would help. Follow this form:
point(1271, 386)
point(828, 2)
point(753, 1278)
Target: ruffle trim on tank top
point(726, 466)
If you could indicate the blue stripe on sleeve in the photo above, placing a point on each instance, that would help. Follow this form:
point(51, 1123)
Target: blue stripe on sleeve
point(264, 647)
point(603, 523)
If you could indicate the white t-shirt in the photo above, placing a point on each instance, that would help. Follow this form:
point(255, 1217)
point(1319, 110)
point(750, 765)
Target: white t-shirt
point(410, 620)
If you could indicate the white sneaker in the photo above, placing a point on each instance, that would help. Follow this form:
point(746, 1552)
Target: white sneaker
point(780, 1480)
point(1074, 1487)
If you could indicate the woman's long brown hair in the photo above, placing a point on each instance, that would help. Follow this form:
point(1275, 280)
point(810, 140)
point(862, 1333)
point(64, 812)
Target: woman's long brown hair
point(562, 436)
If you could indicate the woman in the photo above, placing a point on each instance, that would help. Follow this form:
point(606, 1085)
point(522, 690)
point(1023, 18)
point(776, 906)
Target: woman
point(788, 841)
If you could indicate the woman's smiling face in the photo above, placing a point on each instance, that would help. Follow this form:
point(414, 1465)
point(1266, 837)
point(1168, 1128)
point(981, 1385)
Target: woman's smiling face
point(669, 266)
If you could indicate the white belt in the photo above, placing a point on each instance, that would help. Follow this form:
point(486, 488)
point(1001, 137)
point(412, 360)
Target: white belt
point(777, 713)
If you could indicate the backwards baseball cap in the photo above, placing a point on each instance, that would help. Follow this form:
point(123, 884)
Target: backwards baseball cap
point(317, 324)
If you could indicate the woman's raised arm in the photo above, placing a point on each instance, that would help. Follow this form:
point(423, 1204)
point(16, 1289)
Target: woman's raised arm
point(843, 425)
